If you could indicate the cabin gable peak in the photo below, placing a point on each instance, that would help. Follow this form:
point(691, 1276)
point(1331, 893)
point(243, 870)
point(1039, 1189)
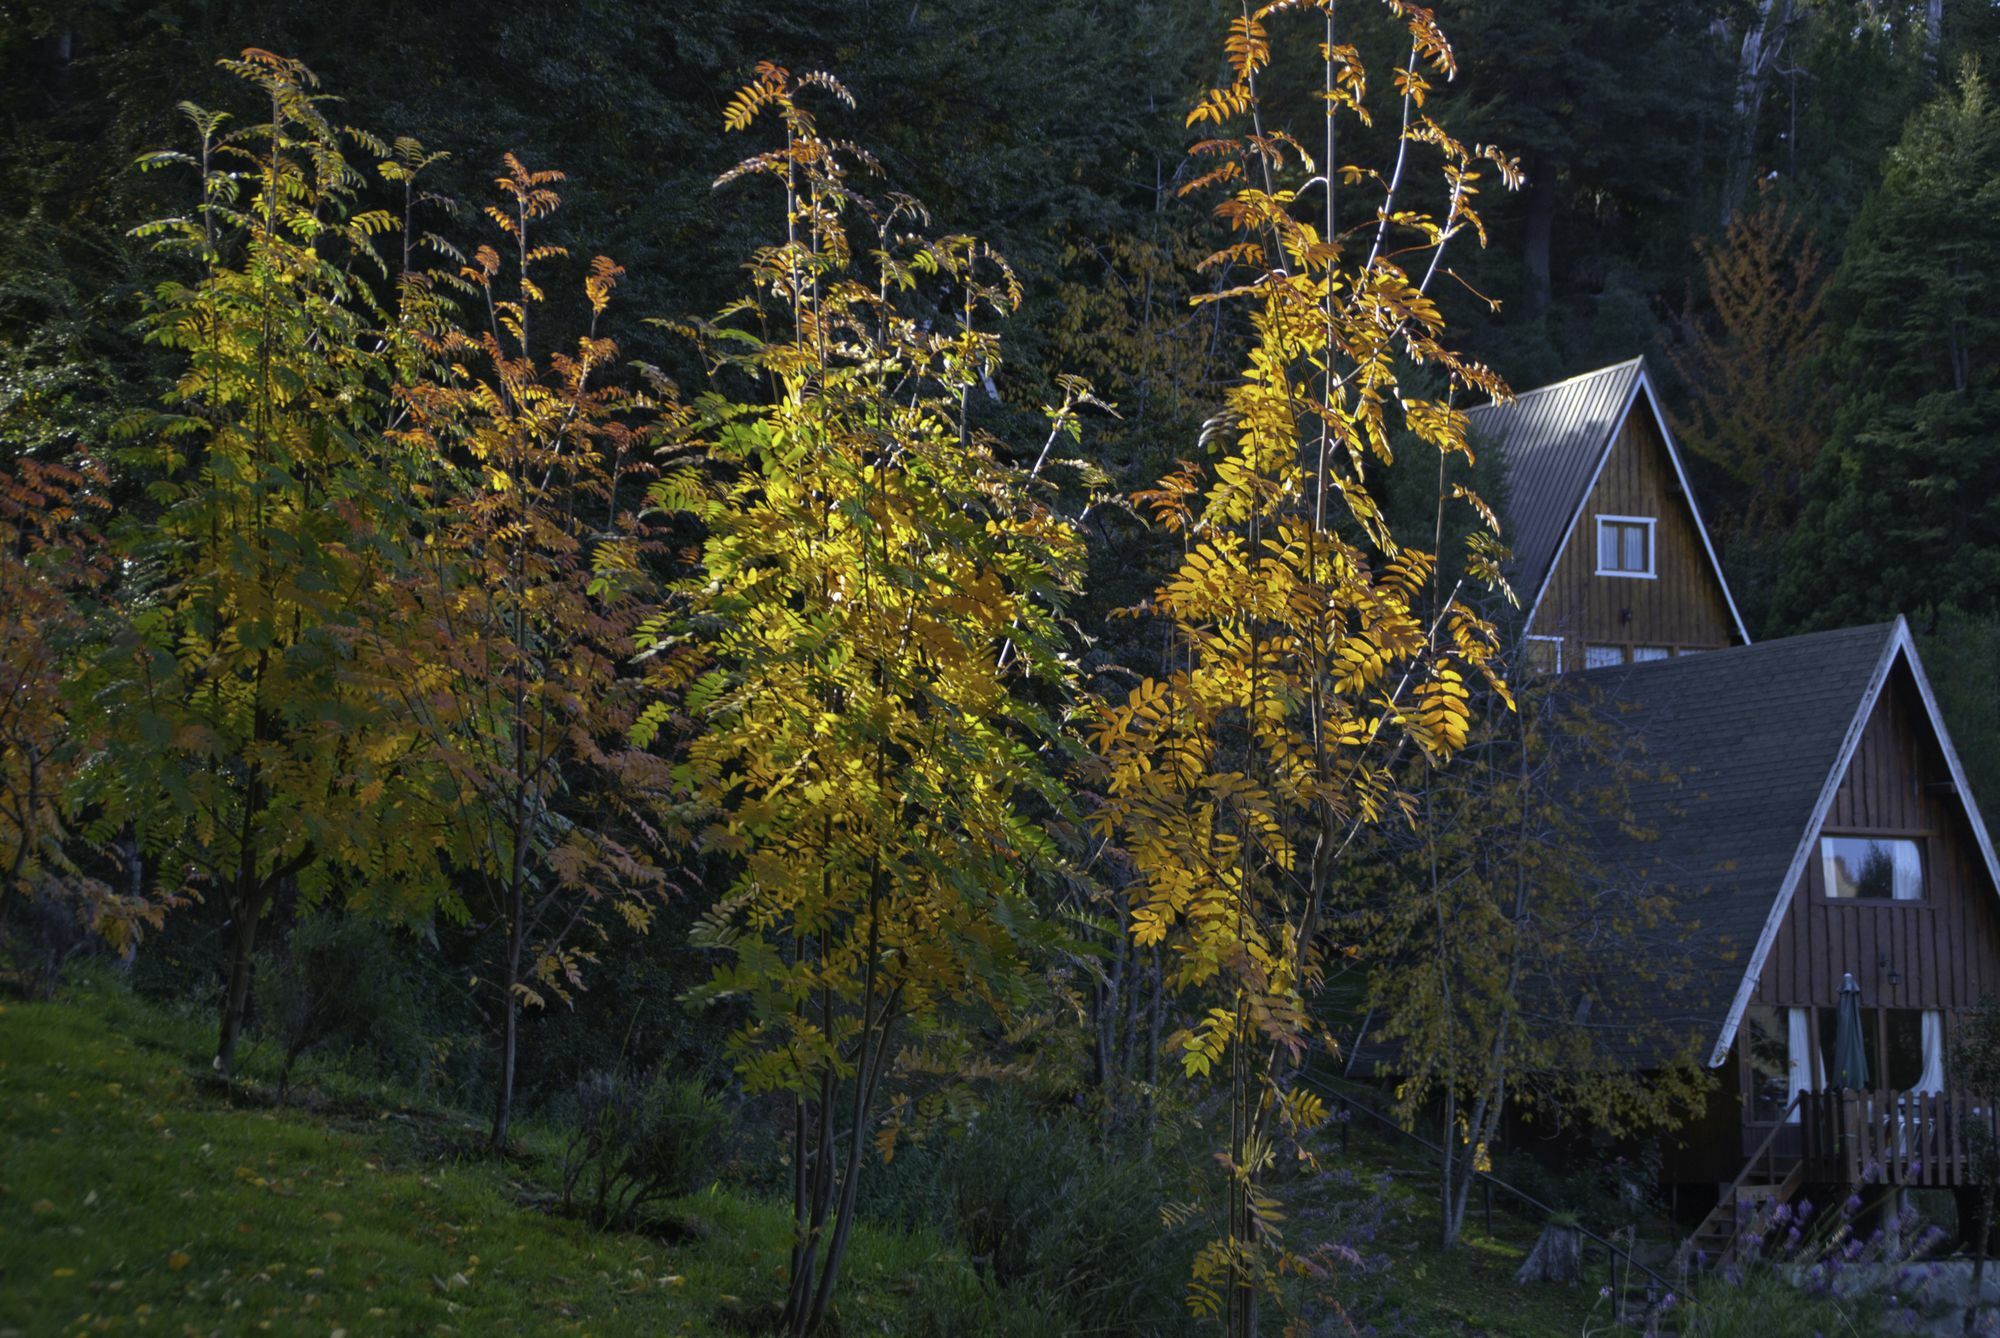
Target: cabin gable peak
point(1558, 442)
point(1899, 648)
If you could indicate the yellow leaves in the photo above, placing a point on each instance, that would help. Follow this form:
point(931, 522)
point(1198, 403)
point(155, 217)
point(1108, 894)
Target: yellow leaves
point(1248, 46)
point(1220, 104)
point(1442, 715)
point(1203, 1045)
point(1358, 664)
point(604, 276)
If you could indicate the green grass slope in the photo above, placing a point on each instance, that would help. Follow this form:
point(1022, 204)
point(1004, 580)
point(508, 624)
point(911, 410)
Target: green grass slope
point(134, 1196)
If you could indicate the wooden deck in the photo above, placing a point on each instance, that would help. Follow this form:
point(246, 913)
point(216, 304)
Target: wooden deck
point(1891, 1138)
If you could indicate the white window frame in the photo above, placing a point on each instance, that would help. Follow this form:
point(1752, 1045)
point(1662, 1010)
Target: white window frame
point(1613, 647)
point(1558, 645)
point(1827, 858)
point(1652, 546)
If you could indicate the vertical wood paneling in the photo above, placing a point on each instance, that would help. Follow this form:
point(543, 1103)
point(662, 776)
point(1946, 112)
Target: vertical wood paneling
point(1946, 949)
point(1683, 608)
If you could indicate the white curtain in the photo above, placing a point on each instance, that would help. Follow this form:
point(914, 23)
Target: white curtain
point(1798, 1047)
point(1909, 882)
point(1933, 1075)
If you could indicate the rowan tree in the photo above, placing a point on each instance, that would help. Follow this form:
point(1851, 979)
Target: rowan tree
point(1309, 646)
point(54, 574)
point(509, 650)
point(243, 749)
point(878, 592)
point(1507, 965)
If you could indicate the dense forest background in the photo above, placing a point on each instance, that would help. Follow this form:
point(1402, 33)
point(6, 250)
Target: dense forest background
point(1790, 207)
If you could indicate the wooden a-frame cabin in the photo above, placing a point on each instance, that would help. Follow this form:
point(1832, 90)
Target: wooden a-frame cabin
point(1802, 800)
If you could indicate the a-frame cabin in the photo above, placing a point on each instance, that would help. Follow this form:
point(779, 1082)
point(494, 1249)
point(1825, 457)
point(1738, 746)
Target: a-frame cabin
point(1611, 559)
point(1801, 799)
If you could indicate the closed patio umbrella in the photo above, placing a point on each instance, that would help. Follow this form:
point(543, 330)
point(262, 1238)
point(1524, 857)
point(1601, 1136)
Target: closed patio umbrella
point(1850, 1057)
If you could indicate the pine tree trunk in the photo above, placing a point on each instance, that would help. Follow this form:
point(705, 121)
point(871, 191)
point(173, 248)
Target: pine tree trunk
point(1762, 41)
point(1539, 238)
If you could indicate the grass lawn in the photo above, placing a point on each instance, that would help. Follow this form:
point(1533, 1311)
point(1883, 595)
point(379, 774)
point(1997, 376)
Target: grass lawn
point(135, 1196)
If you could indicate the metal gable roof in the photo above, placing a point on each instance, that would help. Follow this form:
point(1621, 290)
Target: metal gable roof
point(1553, 440)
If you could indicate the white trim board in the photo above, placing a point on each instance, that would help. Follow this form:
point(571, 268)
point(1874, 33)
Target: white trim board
point(1639, 382)
point(1900, 646)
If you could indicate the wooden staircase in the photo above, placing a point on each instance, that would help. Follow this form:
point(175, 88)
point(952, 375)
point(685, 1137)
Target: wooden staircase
point(1741, 1216)
point(1744, 1211)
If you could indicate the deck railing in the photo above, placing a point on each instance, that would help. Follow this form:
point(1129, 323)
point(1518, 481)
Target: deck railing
point(1890, 1138)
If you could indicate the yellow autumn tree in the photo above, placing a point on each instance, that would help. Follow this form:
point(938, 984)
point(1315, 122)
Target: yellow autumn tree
point(878, 591)
point(1312, 647)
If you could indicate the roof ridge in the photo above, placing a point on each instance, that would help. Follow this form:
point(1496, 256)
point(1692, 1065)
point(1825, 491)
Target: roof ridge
point(1635, 360)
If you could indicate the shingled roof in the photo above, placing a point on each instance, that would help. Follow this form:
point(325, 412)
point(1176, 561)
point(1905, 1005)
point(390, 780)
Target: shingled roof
point(1554, 441)
point(1743, 751)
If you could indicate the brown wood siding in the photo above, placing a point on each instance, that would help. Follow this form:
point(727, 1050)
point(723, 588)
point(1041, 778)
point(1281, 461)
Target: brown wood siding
point(1684, 607)
point(1946, 949)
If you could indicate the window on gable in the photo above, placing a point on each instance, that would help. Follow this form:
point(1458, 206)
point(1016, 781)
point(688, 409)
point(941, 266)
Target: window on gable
point(1872, 868)
point(1625, 546)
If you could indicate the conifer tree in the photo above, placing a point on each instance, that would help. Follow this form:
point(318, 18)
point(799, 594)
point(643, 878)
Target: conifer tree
point(1903, 508)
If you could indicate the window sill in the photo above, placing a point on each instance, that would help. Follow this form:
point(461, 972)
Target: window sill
point(1630, 575)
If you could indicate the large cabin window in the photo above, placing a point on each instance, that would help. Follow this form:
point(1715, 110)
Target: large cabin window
point(1625, 546)
point(1904, 1046)
point(1872, 868)
point(1602, 657)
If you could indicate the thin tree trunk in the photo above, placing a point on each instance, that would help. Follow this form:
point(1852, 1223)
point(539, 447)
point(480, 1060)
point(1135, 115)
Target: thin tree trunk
point(1485, 1120)
point(864, 1100)
point(1447, 1167)
point(510, 1023)
point(1933, 36)
point(249, 908)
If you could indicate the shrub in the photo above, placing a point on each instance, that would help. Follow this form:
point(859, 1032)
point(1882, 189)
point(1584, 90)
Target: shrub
point(634, 1143)
point(339, 980)
point(1044, 1209)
